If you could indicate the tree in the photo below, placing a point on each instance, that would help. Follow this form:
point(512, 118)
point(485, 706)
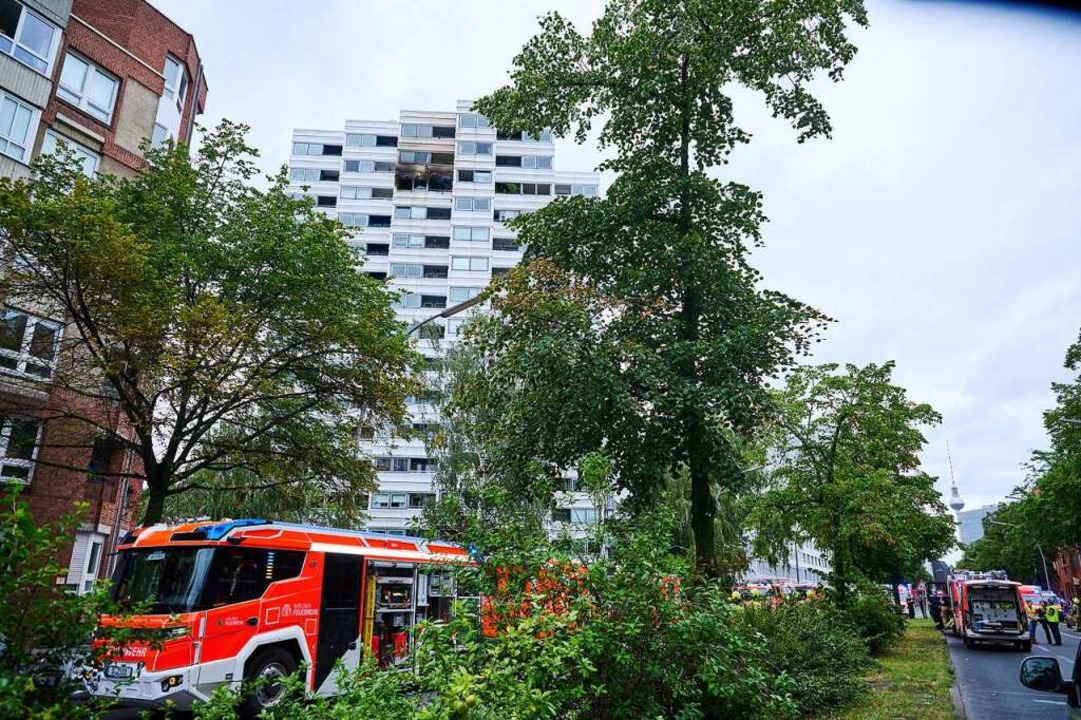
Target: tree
point(844, 471)
point(211, 327)
point(686, 335)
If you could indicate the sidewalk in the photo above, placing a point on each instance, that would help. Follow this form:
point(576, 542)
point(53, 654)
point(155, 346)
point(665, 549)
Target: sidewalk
point(912, 680)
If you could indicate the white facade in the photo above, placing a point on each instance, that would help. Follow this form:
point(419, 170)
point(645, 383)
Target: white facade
point(427, 194)
point(805, 564)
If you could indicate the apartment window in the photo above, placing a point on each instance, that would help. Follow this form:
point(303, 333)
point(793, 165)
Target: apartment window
point(497, 271)
point(381, 501)
point(516, 188)
point(473, 121)
point(359, 140)
point(470, 262)
point(421, 465)
point(433, 301)
point(176, 82)
point(302, 148)
point(329, 175)
point(475, 176)
point(507, 244)
point(474, 148)
point(539, 162)
point(561, 515)
point(367, 166)
point(471, 234)
point(504, 215)
point(468, 204)
point(28, 344)
point(417, 157)
point(89, 159)
point(435, 272)
point(508, 161)
point(377, 249)
point(27, 37)
point(461, 294)
point(334, 150)
point(353, 219)
point(421, 131)
point(406, 270)
point(376, 274)
point(545, 136)
point(158, 135)
point(416, 242)
point(575, 189)
point(301, 175)
point(454, 326)
point(436, 242)
point(431, 331)
point(16, 123)
point(422, 213)
point(354, 192)
point(18, 447)
point(379, 221)
point(441, 131)
point(407, 300)
point(88, 87)
point(326, 201)
point(419, 500)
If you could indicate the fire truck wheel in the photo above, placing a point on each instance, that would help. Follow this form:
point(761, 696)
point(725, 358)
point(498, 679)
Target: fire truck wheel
point(260, 678)
point(1026, 646)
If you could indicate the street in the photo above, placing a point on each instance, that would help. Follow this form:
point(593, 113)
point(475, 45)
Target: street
point(987, 678)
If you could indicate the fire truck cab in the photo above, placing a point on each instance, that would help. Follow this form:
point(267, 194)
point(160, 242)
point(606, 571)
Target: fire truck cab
point(228, 602)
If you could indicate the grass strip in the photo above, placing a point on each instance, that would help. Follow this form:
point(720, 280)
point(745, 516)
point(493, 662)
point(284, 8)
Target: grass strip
point(911, 681)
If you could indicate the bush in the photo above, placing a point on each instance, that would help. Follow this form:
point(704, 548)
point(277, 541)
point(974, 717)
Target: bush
point(816, 648)
point(877, 621)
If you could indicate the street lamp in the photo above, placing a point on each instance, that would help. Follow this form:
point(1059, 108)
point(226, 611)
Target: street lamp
point(452, 310)
point(1043, 559)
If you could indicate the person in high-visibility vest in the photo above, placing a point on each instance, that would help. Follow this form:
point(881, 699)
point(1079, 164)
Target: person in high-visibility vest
point(735, 598)
point(1075, 610)
point(1051, 613)
point(1033, 621)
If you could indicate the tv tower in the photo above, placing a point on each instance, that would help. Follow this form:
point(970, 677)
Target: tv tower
point(956, 501)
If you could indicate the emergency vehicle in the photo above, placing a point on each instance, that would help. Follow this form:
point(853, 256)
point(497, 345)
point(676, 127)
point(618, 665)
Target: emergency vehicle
point(234, 601)
point(987, 608)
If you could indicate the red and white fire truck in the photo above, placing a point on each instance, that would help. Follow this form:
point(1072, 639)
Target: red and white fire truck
point(233, 601)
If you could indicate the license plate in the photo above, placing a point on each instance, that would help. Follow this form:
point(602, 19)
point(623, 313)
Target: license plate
point(116, 671)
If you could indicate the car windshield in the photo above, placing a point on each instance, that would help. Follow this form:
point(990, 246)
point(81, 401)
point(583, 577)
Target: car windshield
point(167, 581)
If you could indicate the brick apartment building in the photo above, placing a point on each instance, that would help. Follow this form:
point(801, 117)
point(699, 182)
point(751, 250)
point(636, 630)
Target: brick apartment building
point(99, 77)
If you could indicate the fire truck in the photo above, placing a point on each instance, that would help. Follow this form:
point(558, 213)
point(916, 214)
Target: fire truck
point(222, 603)
point(987, 609)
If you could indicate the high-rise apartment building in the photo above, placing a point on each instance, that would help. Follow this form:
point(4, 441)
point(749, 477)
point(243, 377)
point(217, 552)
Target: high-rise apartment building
point(428, 194)
point(970, 523)
point(98, 77)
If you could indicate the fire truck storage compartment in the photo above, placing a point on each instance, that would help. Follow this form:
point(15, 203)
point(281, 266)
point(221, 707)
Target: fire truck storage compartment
point(993, 607)
point(391, 588)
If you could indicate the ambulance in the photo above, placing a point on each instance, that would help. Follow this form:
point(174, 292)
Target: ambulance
point(226, 603)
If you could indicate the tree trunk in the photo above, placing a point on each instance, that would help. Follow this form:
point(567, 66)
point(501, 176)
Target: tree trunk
point(703, 511)
point(155, 504)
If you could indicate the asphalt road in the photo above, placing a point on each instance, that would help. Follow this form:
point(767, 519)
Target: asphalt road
point(987, 678)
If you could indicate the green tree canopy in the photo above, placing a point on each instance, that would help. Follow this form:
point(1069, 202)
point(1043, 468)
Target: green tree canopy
point(640, 328)
point(844, 471)
point(227, 327)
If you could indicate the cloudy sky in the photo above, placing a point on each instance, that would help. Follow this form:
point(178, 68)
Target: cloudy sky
point(939, 226)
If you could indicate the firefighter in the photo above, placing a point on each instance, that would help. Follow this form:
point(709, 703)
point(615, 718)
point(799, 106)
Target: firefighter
point(1051, 620)
point(1075, 610)
point(934, 607)
point(1033, 621)
point(735, 598)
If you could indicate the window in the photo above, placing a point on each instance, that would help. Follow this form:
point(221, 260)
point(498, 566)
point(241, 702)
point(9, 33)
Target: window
point(399, 500)
point(354, 192)
point(474, 148)
point(176, 82)
point(406, 270)
point(417, 157)
point(454, 326)
point(93, 561)
point(326, 201)
point(437, 242)
point(419, 500)
point(302, 148)
point(461, 294)
point(88, 87)
point(301, 175)
point(433, 301)
point(561, 515)
point(508, 244)
point(18, 447)
point(359, 140)
point(367, 166)
point(504, 215)
point(439, 131)
point(541, 162)
point(239, 574)
point(497, 271)
point(52, 143)
point(515, 188)
point(508, 161)
point(353, 219)
point(379, 221)
point(431, 331)
point(399, 464)
point(473, 263)
point(421, 131)
point(468, 204)
point(158, 135)
point(329, 175)
point(471, 234)
point(421, 465)
point(381, 464)
point(28, 344)
point(377, 249)
point(567, 189)
point(421, 213)
point(407, 300)
point(545, 136)
point(335, 150)
point(27, 37)
point(401, 240)
point(473, 121)
point(16, 124)
point(386, 141)
point(475, 176)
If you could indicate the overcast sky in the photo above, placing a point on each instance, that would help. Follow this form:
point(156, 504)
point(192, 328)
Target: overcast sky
point(939, 226)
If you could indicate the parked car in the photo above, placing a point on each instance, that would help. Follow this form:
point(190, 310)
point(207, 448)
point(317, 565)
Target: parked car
point(1044, 674)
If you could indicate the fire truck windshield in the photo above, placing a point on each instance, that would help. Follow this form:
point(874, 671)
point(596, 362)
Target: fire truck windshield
point(187, 579)
point(165, 580)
